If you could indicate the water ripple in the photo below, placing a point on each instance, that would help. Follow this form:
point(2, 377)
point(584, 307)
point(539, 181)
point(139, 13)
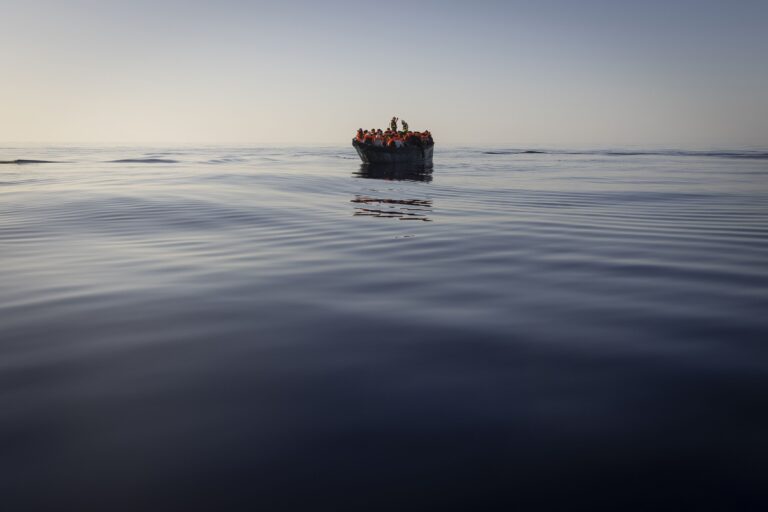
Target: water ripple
point(170, 331)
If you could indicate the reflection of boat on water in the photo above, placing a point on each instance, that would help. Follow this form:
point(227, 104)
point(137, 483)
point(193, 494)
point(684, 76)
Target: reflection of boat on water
point(391, 208)
point(403, 172)
point(402, 209)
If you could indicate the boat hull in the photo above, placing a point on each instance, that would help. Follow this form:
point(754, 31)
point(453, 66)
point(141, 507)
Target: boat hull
point(370, 154)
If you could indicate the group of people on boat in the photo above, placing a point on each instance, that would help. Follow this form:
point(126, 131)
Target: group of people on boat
point(392, 137)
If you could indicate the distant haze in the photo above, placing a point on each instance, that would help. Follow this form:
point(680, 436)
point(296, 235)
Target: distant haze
point(557, 73)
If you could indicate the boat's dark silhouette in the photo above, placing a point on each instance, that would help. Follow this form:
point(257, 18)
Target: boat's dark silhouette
point(406, 154)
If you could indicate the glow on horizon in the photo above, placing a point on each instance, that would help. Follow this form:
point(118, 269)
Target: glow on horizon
point(678, 73)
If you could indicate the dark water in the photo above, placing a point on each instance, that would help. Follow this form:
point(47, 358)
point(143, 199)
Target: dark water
point(281, 329)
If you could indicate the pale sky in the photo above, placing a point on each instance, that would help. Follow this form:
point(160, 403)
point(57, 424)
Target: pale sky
point(675, 73)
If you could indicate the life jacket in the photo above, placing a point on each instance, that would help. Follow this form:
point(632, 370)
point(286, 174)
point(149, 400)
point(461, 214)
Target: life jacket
point(368, 137)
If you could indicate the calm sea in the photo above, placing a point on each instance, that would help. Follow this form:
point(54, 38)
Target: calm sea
point(283, 329)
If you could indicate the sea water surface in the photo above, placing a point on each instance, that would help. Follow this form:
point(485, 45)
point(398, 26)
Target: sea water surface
point(284, 329)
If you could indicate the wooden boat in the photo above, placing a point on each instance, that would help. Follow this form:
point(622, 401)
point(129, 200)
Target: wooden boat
point(420, 154)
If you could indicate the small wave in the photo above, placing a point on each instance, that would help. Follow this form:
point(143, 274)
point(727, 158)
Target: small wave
point(746, 154)
point(22, 161)
point(516, 152)
point(144, 161)
point(225, 161)
point(756, 155)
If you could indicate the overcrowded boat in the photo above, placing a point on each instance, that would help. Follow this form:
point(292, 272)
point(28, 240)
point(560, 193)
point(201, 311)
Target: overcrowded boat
point(394, 146)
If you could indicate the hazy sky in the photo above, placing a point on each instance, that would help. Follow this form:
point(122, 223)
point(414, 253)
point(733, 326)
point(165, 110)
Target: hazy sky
point(559, 73)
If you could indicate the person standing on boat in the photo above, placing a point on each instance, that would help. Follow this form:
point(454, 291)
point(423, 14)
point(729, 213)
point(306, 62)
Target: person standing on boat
point(393, 124)
point(405, 126)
